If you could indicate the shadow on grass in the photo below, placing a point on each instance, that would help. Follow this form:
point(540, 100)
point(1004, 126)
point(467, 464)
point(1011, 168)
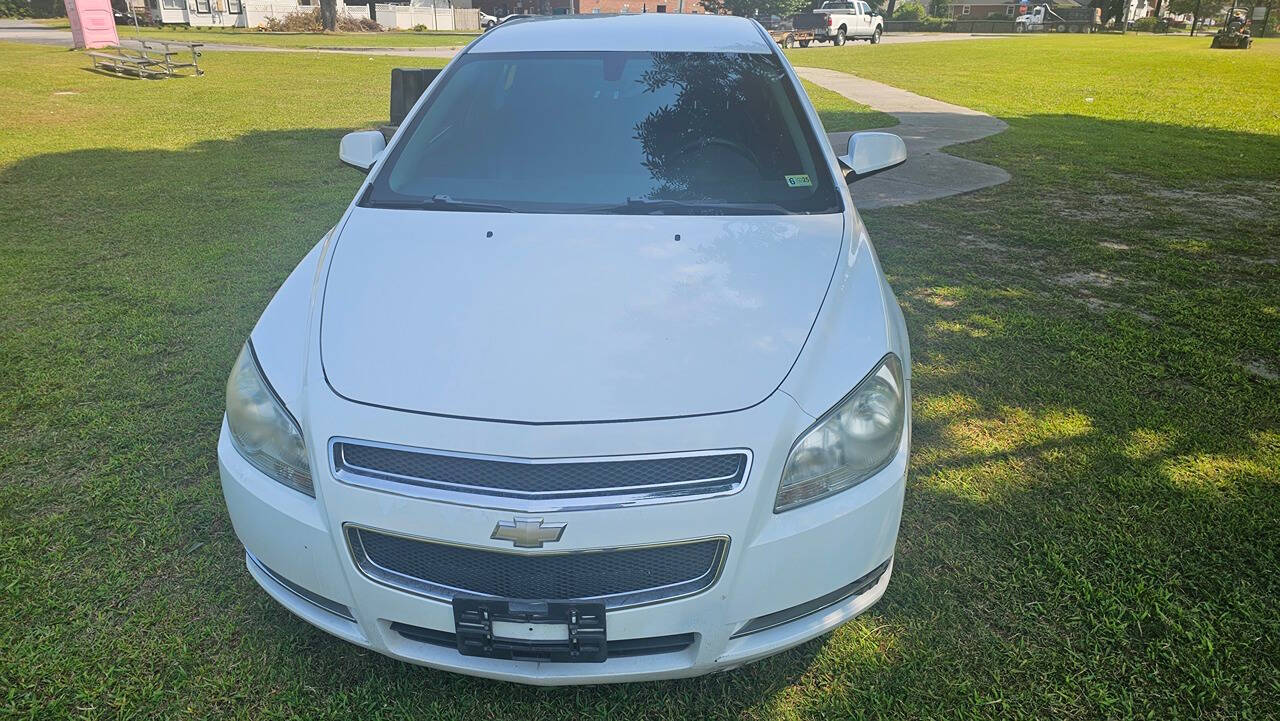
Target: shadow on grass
point(1091, 521)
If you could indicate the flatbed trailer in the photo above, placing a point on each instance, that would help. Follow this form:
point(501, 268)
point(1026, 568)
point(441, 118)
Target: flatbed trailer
point(792, 38)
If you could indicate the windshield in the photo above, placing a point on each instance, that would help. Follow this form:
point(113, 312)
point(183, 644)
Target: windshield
point(610, 132)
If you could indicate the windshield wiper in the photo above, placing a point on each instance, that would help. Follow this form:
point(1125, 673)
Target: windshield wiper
point(444, 202)
point(440, 202)
point(647, 206)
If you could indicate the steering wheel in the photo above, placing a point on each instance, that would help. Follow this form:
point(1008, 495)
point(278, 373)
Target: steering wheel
point(733, 145)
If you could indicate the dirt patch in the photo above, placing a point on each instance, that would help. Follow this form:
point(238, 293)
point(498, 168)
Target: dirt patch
point(1099, 305)
point(1262, 370)
point(1099, 208)
point(1090, 278)
point(1113, 246)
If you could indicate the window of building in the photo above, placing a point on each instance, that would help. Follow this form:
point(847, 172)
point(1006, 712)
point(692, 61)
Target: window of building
point(173, 4)
point(964, 10)
point(202, 6)
point(662, 8)
point(625, 9)
point(1008, 10)
point(235, 7)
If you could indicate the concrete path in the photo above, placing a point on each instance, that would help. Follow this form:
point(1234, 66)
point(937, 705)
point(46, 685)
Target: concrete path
point(927, 126)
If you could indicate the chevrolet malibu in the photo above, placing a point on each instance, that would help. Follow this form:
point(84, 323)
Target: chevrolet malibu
point(598, 377)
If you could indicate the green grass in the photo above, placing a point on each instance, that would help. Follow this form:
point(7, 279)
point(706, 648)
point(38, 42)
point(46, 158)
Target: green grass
point(1093, 511)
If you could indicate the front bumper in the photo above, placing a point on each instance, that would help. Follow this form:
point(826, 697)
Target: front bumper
point(295, 546)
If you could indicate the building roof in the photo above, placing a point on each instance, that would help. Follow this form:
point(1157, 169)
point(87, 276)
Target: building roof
point(644, 32)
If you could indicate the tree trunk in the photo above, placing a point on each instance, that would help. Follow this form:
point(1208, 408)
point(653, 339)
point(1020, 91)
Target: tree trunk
point(888, 14)
point(329, 14)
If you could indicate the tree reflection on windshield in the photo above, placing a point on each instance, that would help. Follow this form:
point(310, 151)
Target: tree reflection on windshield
point(720, 132)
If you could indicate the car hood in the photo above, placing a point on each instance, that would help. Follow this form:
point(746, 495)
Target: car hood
point(552, 319)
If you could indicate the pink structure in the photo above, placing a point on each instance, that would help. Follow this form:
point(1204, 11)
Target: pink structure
point(92, 23)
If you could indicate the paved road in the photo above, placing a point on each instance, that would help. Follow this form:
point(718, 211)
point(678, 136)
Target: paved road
point(27, 32)
point(927, 126)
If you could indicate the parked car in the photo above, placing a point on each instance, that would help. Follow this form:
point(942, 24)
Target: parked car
point(486, 20)
point(597, 379)
point(837, 21)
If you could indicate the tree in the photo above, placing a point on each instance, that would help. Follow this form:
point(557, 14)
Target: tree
point(752, 8)
point(329, 14)
point(940, 8)
point(1199, 9)
point(911, 11)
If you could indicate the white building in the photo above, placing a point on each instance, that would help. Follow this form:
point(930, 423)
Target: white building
point(230, 13)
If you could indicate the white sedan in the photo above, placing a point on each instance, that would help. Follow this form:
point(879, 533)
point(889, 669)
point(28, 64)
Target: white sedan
point(625, 397)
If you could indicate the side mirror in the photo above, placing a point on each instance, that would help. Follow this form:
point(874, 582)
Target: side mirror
point(872, 152)
point(362, 149)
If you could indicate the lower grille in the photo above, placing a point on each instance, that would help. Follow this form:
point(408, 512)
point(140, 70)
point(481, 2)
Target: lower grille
point(618, 577)
point(617, 649)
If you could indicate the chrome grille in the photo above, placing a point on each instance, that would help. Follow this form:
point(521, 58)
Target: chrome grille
point(620, 577)
point(701, 473)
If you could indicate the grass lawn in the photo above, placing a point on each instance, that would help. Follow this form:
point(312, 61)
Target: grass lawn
point(1092, 525)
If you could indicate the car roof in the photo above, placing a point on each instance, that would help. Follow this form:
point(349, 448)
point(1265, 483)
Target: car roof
point(643, 32)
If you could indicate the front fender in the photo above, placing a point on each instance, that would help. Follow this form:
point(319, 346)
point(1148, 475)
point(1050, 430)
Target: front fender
point(280, 335)
point(859, 323)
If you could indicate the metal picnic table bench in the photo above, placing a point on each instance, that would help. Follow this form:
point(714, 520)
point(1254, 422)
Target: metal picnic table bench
point(150, 61)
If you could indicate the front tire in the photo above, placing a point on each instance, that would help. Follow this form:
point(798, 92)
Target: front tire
point(839, 38)
point(1062, 28)
point(875, 37)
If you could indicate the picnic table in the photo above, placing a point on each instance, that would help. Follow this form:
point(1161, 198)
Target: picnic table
point(155, 59)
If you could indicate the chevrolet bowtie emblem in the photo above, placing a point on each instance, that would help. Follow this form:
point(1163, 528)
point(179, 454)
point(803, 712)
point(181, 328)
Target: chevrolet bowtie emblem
point(528, 532)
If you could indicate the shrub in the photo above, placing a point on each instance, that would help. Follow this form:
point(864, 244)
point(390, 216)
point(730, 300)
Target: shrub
point(1145, 24)
point(419, 28)
point(302, 21)
point(910, 11)
point(308, 21)
point(352, 24)
point(934, 23)
point(14, 9)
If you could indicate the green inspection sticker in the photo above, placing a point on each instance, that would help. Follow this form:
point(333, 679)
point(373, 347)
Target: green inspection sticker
point(798, 181)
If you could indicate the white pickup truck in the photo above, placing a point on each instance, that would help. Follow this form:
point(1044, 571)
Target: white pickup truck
point(840, 20)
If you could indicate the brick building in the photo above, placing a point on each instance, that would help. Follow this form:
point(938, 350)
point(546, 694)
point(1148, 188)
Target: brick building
point(500, 8)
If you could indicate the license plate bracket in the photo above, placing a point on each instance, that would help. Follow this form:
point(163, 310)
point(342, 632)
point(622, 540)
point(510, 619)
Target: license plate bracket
point(473, 620)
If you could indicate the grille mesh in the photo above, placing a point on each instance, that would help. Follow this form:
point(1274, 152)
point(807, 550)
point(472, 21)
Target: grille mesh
point(517, 478)
point(564, 576)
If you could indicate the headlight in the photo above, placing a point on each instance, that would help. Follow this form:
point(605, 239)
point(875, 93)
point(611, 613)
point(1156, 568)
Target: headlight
point(850, 443)
point(261, 429)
